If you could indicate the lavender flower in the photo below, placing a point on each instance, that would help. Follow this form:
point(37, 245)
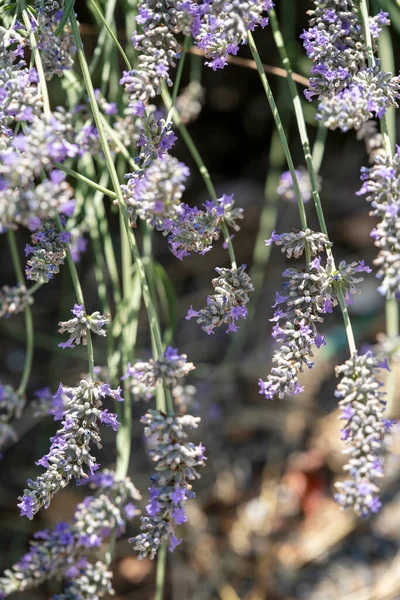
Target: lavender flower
point(285, 188)
point(155, 194)
point(294, 243)
point(190, 101)
point(380, 186)
point(176, 463)
point(349, 92)
point(155, 139)
point(194, 230)
point(157, 47)
point(310, 294)
point(228, 303)
point(11, 407)
point(80, 324)
point(14, 300)
point(225, 25)
point(47, 252)
point(362, 405)
point(69, 453)
point(56, 51)
point(19, 96)
point(169, 369)
point(63, 553)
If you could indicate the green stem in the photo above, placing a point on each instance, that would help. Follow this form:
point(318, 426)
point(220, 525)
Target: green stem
point(178, 78)
point(30, 341)
point(35, 287)
point(282, 135)
point(111, 32)
point(86, 180)
point(37, 59)
point(153, 318)
point(160, 575)
point(367, 32)
point(299, 118)
point(318, 150)
point(79, 296)
point(200, 165)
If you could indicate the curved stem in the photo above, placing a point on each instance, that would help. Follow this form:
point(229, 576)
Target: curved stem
point(282, 135)
point(37, 59)
point(187, 138)
point(89, 182)
point(178, 78)
point(30, 341)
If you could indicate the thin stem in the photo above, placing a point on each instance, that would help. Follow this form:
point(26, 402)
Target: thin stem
point(30, 341)
point(318, 150)
point(37, 59)
point(89, 182)
point(153, 318)
point(200, 165)
point(178, 78)
point(282, 135)
point(35, 287)
point(110, 31)
point(79, 296)
point(299, 117)
point(347, 322)
point(367, 32)
point(160, 575)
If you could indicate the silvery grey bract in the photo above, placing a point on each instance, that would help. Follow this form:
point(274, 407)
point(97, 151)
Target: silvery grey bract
point(294, 243)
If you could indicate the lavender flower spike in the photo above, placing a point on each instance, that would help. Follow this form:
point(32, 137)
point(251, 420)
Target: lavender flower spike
point(176, 463)
point(70, 450)
point(362, 404)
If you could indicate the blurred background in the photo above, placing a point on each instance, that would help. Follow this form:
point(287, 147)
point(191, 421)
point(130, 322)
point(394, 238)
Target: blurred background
point(263, 524)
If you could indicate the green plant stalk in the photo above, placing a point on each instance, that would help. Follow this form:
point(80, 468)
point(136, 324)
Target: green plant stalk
point(79, 296)
point(160, 574)
point(318, 149)
point(37, 58)
point(30, 340)
point(178, 78)
point(111, 32)
point(200, 165)
point(86, 180)
point(98, 51)
point(282, 135)
point(367, 32)
point(153, 318)
point(35, 287)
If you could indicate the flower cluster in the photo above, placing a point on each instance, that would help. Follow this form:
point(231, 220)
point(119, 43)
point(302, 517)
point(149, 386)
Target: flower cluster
point(349, 92)
point(11, 407)
point(381, 188)
point(285, 188)
point(155, 139)
point(47, 252)
point(176, 463)
point(63, 553)
point(56, 51)
point(23, 159)
point(228, 303)
point(19, 97)
point(80, 325)
point(14, 300)
point(225, 25)
point(157, 46)
point(169, 369)
point(294, 243)
point(70, 449)
point(362, 405)
point(310, 294)
point(155, 193)
point(194, 230)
